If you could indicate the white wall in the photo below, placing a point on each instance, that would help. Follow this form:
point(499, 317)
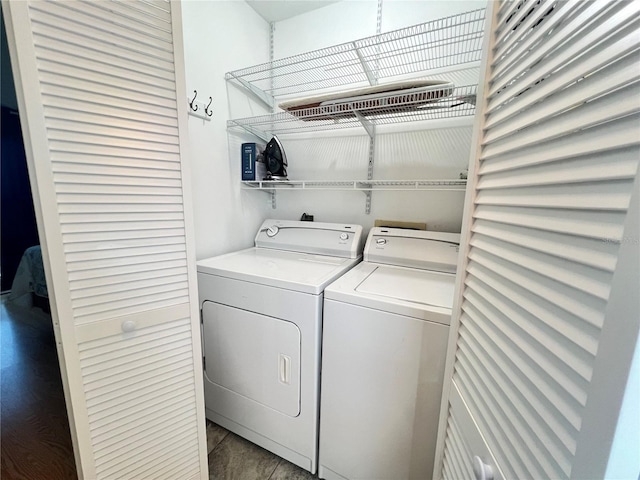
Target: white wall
point(401, 13)
point(224, 35)
point(428, 154)
point(221, 36)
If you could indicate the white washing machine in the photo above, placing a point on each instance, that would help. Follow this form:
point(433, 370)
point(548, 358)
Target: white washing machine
point(385, 333)
point(262, 331)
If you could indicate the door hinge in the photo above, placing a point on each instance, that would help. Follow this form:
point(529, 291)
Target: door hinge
point(201, 317)
point(204, 363)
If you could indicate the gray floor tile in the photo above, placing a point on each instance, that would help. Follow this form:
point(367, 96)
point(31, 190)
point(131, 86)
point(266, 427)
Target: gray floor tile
point(215, 434)
point(238, 459)
point(289, 471)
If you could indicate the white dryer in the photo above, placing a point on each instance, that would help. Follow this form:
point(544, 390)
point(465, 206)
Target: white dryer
point(262, 330)
point(385, 333)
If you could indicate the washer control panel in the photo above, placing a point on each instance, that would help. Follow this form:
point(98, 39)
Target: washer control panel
point(427, 250)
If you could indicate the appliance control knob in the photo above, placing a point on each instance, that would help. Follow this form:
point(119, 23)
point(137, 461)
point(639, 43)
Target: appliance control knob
point(272, 231)
point(481, 470)
point(344, 236)
point(128, 326)
point(381, 241)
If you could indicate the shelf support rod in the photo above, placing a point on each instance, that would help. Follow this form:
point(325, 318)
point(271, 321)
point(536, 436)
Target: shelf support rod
point(366, 123)
point(261, 95)
point(365, 66)
point(372, 75)
point(371, 130)
point(273, 199)
point(372, 154)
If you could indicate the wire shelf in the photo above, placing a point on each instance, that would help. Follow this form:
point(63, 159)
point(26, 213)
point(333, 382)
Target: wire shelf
point(383, 110)
point(438, 44)
point(358, 185)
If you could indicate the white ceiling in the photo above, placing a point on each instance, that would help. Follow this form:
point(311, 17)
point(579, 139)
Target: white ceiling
point(276, 10)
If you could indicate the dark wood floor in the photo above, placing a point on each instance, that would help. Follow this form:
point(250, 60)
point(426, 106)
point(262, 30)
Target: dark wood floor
point(35, 438)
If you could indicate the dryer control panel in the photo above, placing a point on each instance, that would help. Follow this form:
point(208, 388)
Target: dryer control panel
point(333, 239)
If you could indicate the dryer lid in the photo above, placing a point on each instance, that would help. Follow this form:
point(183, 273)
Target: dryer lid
point(300, 272)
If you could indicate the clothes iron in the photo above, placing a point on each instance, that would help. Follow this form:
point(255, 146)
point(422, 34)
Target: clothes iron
point(275, 160)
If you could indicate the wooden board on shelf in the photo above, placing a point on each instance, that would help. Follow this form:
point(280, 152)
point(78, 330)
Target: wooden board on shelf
point(376, 100)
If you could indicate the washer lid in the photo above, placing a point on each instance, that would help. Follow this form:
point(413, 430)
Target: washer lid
point(417, 286)
point(412, 292)
point(301, 272)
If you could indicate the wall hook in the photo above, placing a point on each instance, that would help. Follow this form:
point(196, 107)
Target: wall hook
point(206, 109)
point(192, 104)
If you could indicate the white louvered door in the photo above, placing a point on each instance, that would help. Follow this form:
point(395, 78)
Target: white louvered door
point(555, 161)
point(97, 87)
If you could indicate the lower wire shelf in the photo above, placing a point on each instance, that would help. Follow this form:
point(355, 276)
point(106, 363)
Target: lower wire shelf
point(359, 185)
point(365, 186)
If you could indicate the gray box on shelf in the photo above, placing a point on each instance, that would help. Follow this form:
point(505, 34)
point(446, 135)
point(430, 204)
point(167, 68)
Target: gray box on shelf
point(253, 167)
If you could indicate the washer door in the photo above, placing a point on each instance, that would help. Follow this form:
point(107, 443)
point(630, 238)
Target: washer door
point(253, 355)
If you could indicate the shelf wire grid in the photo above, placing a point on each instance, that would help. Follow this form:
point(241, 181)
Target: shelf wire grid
point(437, 44)
point(357, 185)
point(384, 110)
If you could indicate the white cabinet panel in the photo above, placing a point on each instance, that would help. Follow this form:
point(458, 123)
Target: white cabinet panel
point(552, 176)
point(99, 88)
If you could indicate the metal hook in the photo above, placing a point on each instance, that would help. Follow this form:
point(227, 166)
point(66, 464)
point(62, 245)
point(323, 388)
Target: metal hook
point(206, 109)
point(191, 102)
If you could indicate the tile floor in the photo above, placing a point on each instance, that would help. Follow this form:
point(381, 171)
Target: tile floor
point(233, 458)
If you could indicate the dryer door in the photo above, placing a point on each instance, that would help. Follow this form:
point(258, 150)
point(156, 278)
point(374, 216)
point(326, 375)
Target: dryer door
point(253, 355)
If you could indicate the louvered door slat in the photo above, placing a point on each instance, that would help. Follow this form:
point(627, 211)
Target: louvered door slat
point(593, 252)
point(93, 20)
point(507, 52)
point(515, 44)
point(544, 319)
point(619, 104)
point(602, 226)
point(100, 87)
point(591, 168)
point(153, 8)
point(60, 65)
point(555, 166)
point(530, 419)
point(157, 429)
point(543, 414)
point(582, 277)
point(110, 133)
point(552, 376)
point(119, 56)
point(58, 117)
point(593, 86)
point(505, 14)
point(496, 431)
point(123, 283)
point(159, 19)
point(556, 51)
point(597, 140)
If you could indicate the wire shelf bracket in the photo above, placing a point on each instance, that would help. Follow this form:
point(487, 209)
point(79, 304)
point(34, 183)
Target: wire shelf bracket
point(260, 94)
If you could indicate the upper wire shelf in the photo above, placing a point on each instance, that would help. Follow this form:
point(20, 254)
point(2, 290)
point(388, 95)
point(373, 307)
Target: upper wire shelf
point(383, 110)
point(438, 44)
